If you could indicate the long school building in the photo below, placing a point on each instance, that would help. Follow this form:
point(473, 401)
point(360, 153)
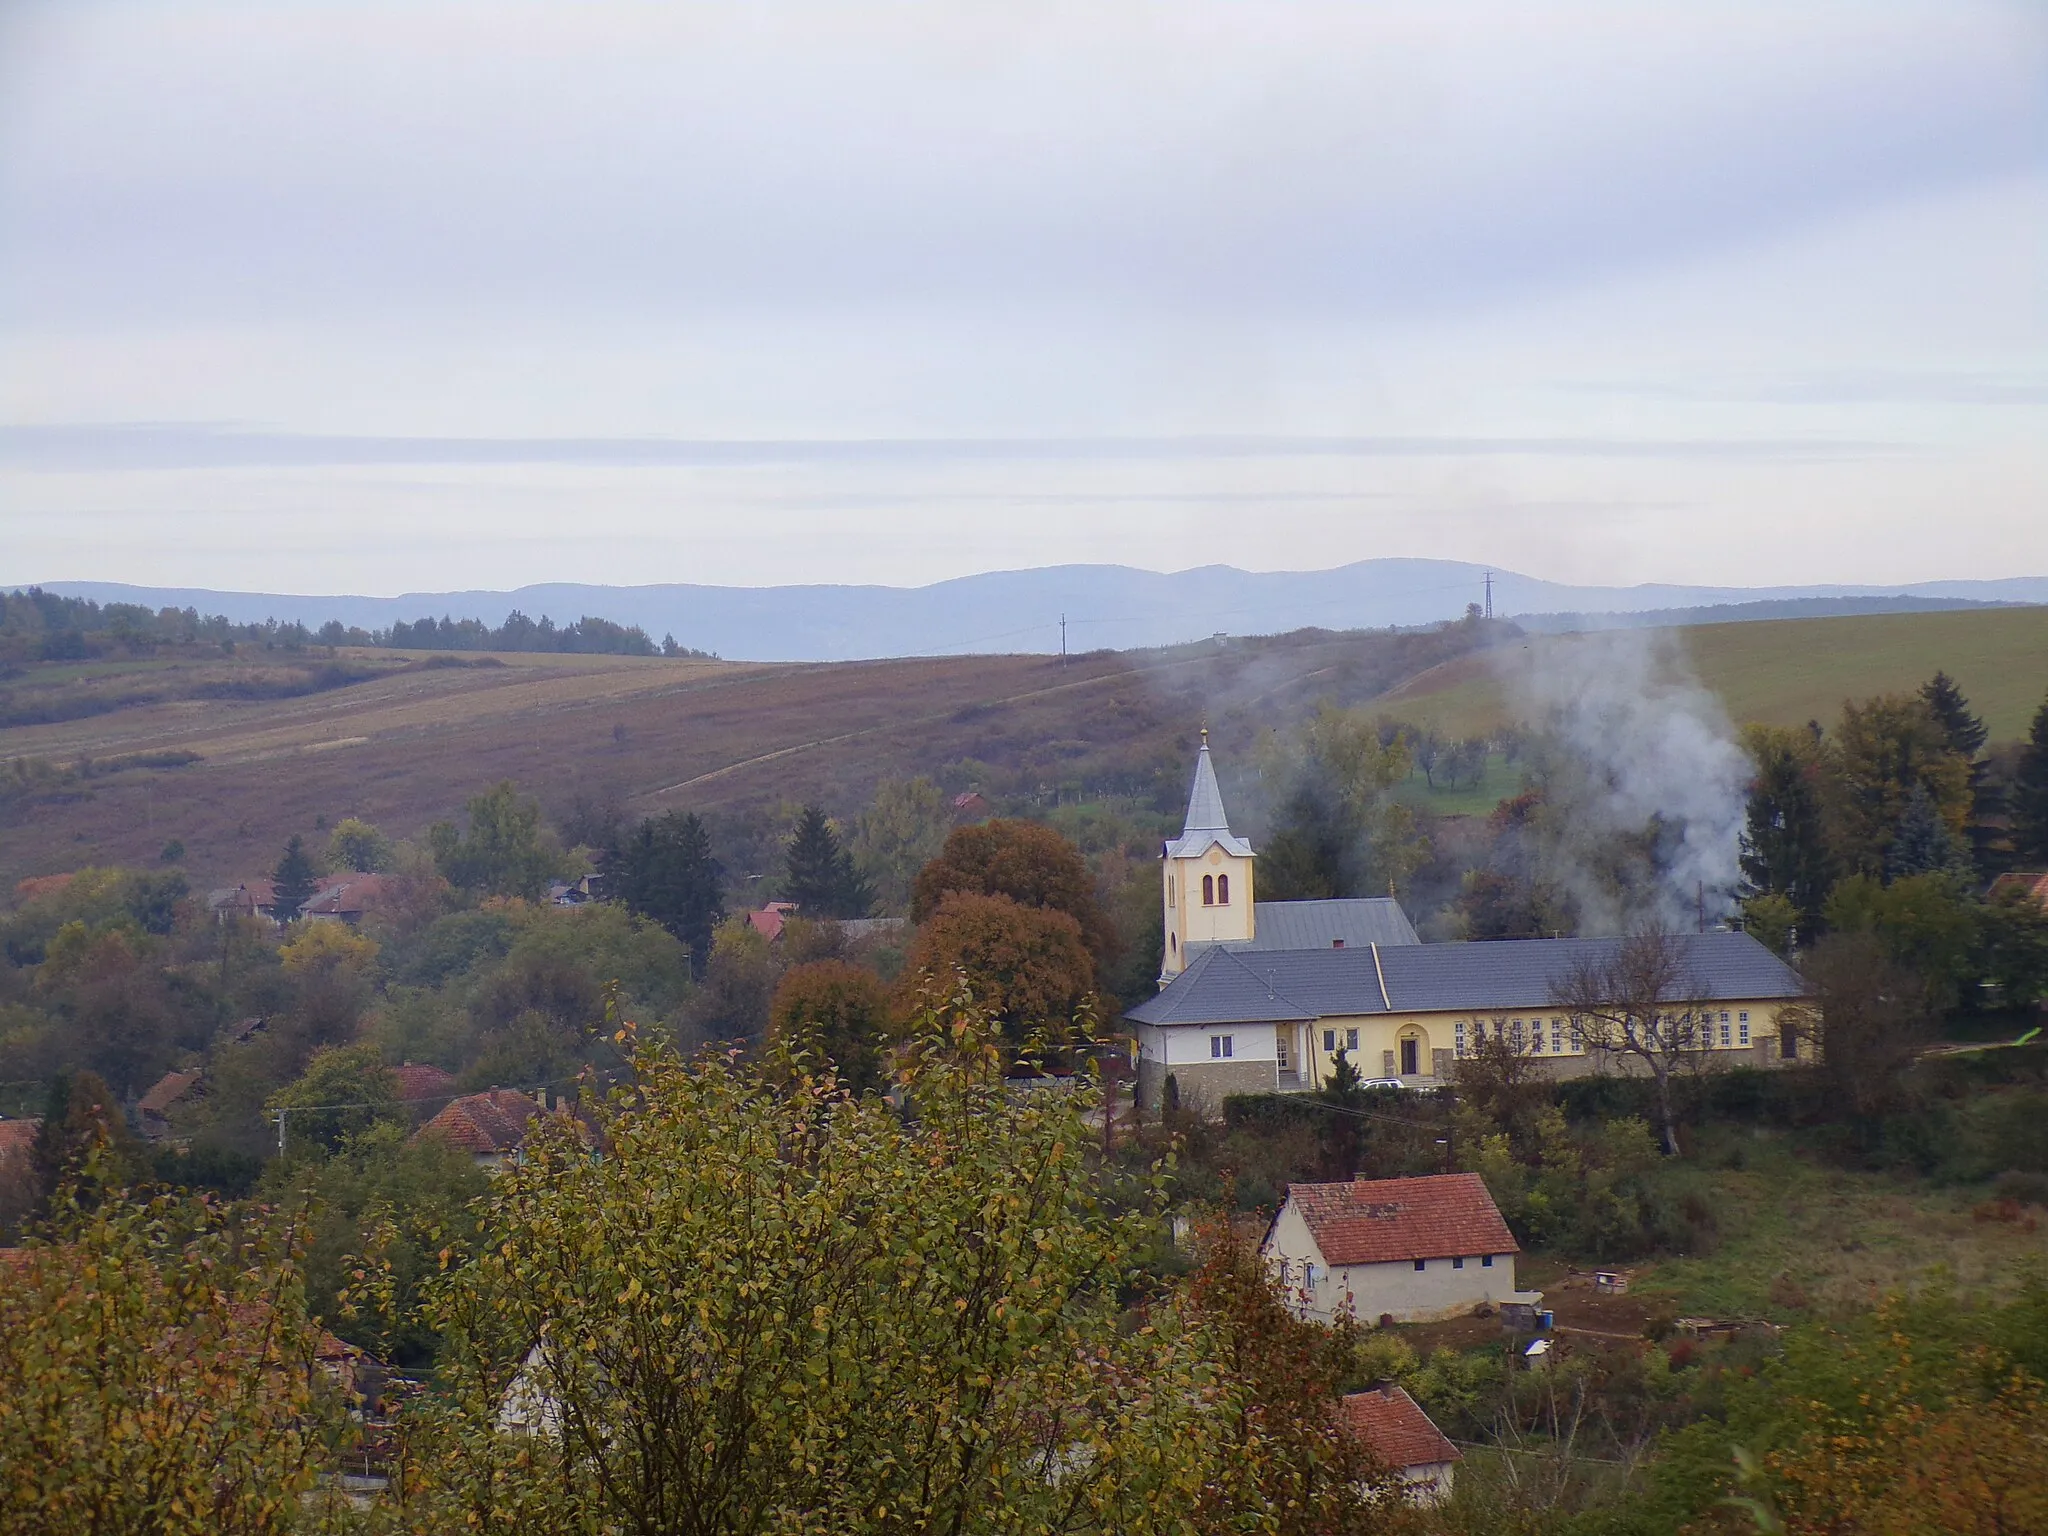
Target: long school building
point(1259, 997)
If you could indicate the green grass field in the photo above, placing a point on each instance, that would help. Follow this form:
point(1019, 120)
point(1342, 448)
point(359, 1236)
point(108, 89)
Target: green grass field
point(1789, 671)
point(1499, 782)
point(1799, 1236)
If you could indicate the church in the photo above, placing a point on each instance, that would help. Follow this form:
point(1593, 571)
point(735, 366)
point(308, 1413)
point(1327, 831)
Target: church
point(1261, 996)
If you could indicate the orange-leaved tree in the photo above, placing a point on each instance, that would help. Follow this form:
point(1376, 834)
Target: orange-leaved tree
point(1030, 864)
point(1027, 966)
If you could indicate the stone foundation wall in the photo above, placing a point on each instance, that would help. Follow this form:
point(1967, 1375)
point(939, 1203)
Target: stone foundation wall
point(1204, 1084)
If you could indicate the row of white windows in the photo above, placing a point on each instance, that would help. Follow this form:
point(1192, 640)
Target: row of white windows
point(1215, 890)
point(1569, 1037)
point(1308, 1269)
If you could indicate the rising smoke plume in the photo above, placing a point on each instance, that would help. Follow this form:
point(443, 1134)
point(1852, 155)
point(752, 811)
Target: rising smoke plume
point(1645, 784)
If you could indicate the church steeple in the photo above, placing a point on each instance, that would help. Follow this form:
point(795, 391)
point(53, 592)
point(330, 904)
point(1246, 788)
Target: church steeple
point(1206, 879)
point(1205, 800)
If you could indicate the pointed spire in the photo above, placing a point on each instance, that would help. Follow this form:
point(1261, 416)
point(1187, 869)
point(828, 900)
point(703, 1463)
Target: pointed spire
point(1205, 800)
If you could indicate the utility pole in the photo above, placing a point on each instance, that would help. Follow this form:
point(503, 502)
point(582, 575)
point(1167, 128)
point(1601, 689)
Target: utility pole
point(1063, 639)
point(280, 1131)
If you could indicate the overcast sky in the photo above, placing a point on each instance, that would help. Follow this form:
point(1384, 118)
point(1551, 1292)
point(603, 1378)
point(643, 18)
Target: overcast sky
point(349, 297)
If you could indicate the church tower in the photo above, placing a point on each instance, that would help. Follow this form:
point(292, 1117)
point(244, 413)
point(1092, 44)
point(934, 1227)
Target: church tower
point(1206, 876)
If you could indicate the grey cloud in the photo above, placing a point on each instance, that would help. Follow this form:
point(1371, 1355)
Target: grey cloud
point(1376, 158)
point(1870, 386)
point(152, 446)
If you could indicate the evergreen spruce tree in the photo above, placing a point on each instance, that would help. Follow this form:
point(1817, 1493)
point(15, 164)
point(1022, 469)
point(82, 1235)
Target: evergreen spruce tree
point(1784, 842)
point(1924, 845)
point(1985, 830)
point(664, 872)
point(820, 875)
point(294, 880)
point(2030, 796)
point(1964, 728)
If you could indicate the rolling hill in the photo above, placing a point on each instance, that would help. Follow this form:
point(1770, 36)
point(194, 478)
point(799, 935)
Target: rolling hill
point(1093, 606)
point(207, 760)
point(1789, 671)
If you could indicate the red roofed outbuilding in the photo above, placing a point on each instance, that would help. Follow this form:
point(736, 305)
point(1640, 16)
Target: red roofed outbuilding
point(1409, 1250)
point(1402, 1438)
point(769, 921)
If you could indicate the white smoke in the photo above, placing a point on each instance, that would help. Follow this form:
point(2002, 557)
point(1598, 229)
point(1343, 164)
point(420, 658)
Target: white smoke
point(1640, 755)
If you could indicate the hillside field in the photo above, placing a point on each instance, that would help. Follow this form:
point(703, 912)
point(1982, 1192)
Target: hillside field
point(1789, 671)
point(229, 775)
point(230, 758)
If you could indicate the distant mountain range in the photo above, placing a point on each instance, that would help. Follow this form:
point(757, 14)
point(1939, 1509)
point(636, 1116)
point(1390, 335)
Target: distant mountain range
point(1105, 606)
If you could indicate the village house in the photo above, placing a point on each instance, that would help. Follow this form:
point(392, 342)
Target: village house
point(491, 1126)
point(345, 898)
point(252, 898)
point(1261, 997)
point(769, 921)
point(1402, 1250)
point(1403, 1439)
point(153, 1109)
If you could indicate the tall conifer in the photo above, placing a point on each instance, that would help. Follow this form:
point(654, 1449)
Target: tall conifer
point(819, 873)
point(2030, 795)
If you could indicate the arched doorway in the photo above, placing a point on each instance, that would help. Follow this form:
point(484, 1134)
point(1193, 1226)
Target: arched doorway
point(1412, 1050)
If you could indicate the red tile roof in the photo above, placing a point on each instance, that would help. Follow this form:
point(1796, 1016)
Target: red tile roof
point(484, 1123)
point(418, 1080)
point(1384, 1221)
point(345, 896)
point(1396, 1429)
point(769, 920)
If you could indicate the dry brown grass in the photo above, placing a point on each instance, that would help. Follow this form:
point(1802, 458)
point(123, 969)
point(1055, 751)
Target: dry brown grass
point(406, 749)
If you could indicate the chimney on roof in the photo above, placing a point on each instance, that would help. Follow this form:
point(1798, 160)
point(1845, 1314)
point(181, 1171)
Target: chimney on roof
point(540, 1097)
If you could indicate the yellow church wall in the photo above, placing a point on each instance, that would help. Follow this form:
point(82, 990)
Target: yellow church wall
point(1192, 922)
point(1378, 1034)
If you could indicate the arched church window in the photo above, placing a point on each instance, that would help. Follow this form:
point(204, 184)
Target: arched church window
point(1223, 890)
point(1208, 890)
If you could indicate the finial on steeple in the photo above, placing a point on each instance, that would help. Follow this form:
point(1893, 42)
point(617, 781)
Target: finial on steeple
point(1205, 732)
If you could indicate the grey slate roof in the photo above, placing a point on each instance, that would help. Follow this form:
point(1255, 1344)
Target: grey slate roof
point(1251, 986)
point(1206, 822)
point(1320, 924)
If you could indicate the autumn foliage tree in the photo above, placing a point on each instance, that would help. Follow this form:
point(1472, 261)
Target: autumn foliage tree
point(1024, 862)
point(157, 1374)
point(1028, 966)
point(833, 1010)
point(1282, 1445)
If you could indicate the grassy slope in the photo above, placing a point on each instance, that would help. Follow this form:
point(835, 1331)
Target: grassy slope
point(1789, 671)
point(1795, 1227)
point(1500, 781)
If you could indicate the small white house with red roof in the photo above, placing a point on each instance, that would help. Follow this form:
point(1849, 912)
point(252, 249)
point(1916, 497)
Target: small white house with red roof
point(1403, 1439)
point(1405, 1250)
